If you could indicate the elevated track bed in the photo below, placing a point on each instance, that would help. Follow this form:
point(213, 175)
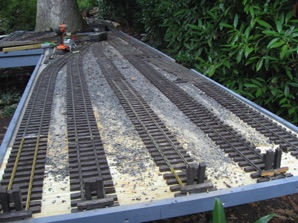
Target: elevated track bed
point(117, 126)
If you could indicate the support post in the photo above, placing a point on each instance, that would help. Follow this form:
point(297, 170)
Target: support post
point(191, 173)
point(269, 159)
point(88, 188)
point(100, 188)
point(17, 198)
point(201, 172)
point(277, 158)
point(4, 199)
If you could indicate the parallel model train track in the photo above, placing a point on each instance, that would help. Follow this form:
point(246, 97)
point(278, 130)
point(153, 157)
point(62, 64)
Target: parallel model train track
point(232, 142)
point(91, 182)
point(276, 133)
point(167, 152)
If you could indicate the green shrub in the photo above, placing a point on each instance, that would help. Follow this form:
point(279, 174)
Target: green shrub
point(8, 111)
point(17, 15)
point(249, 46)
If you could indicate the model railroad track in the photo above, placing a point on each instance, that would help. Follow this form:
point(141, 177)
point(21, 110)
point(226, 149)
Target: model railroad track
point(13, 36)
point(22, 182)
point(185, 175)
point(232, 142)
point(279, 135)
point(90, 178)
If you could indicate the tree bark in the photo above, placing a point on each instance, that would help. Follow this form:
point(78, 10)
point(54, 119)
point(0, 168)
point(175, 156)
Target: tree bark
point(52, 13)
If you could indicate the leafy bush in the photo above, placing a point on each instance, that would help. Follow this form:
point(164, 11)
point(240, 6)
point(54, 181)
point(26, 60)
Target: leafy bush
point(9, 98)
point(8, 111)
point(17, 15)
point(249, 46)
point(87, 4)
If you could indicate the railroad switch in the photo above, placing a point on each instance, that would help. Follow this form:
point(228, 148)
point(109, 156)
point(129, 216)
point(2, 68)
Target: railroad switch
point(196, 179)
point(95, 187)
point(11, 203)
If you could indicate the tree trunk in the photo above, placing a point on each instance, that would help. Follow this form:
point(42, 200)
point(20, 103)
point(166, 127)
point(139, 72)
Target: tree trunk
point(52, 13)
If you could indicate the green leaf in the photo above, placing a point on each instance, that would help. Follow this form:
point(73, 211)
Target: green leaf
point(286, 91)
point(289, 74)
point(236, 18)
point(194, 27)
point(282, 101)
point(239, 56)
point(225, 25)
point(265, 219)
point(263, 23)
point(270, 33)
point(278, 26)
point(293, 84)
point(259, 64)
point(259, 92)
point(211, 71)
point(269, 46)
point(277, 44)
point(284, 52)
point(218, 214)
point(251, 85)
point(291, 111)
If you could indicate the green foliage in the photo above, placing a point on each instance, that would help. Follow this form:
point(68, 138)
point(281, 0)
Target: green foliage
point(9, 98)
point(218, 214)
point(17, 15)
point(122, 11)
point(249, 46)
point(8, 103)
point(87, 4)
point(8, 111)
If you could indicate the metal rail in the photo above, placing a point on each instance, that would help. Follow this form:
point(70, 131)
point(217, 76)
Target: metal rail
point(30, 147)
point(148, 125)
point(247, 155)
point(89, 170)
point(277, 134)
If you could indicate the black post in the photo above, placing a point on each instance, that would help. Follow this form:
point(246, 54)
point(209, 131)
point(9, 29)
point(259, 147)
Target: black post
point(201, 172)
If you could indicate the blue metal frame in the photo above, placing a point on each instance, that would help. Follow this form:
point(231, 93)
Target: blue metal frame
point(14, 121)
point(22, 58)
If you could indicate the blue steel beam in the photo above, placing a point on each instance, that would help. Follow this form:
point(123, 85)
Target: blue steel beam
point(185, 205)
point(22, 58)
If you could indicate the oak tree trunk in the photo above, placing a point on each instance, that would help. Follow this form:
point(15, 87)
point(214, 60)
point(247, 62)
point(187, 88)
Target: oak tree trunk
point(52, 13)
